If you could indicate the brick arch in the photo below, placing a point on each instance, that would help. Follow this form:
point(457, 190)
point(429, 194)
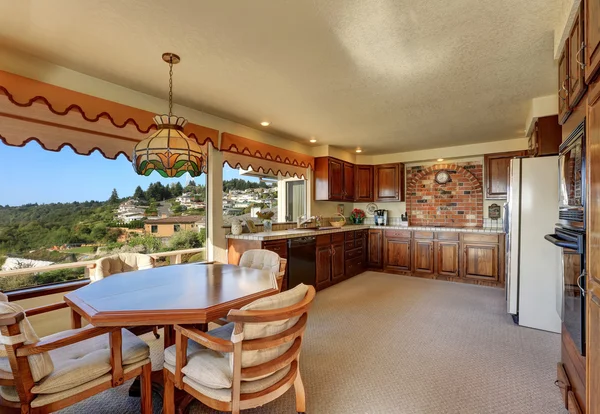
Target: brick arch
point(458, 203)
point(450, 167)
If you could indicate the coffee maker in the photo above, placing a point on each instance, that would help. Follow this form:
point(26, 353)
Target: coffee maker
point(381, 217)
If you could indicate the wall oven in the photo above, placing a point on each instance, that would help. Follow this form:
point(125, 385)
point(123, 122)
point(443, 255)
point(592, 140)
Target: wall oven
point(570, 301)
point(571, 191)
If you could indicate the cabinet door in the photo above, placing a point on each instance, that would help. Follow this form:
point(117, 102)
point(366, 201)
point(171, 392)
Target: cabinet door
point(337, 262)
point(423, 256)
point(375, 248)
point(365, 259)
point(447, 259)
point(387, 182)
point(592, 38)
point(496, 173)
point(363, 179)
point(593, 249)
point(576, 81)
point(563, 91)
point(348, 182)
point(480, 261)
point(397, 254)
point(336, 179)
point(323, 266)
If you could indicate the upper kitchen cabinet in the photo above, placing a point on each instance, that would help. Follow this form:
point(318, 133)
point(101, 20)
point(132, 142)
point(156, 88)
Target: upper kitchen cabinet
point(334, 180)
point(496, 173)
point(592, 38)
point(363, 178)
point(575, 83)
point(546, 137)
point(564, 109)
point(389, 182)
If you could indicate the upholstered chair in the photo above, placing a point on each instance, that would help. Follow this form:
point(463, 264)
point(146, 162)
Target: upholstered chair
point(119, 263)
point(45, 375)
point(266, 260)
point(247, 363)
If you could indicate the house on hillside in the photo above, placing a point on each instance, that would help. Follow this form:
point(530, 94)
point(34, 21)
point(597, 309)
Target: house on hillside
point(166, 227)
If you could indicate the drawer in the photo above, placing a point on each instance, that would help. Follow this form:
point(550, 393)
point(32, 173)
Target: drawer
point(423, 235)
point(405, 234)
point(478, 237)
point(358, 242)
point(562, 381)
point(349, 235)
point(323, 240)
point(354, 266)
point(349, 245)
point(446, 236)
point(338, 237)
point(351, 254)
point(278, 246)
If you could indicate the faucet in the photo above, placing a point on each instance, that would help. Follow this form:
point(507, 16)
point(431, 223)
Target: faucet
point(303, 220)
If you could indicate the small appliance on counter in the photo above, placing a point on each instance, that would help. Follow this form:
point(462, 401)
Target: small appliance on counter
point(381, 217)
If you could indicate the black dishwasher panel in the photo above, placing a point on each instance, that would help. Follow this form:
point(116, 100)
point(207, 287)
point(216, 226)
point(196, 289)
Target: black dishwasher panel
point(302, 253)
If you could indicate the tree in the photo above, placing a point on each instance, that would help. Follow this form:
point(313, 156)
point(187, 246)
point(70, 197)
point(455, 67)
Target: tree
point(139, 193)
point(176, 189)
point(114, 197)
point(187, 239)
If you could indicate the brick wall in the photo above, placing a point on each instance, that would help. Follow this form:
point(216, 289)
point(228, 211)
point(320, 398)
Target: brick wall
point(457, 203)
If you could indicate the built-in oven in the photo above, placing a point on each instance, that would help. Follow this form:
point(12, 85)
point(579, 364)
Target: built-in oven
point(571, 191)
point(570, 301)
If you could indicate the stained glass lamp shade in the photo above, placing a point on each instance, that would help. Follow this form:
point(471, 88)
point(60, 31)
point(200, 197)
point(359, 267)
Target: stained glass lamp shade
point(168, 151)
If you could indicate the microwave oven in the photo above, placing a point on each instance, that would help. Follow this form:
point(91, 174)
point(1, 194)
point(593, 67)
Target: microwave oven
point(571, 170)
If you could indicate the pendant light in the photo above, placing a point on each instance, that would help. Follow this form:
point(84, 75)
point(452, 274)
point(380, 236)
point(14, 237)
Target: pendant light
point(168, 150)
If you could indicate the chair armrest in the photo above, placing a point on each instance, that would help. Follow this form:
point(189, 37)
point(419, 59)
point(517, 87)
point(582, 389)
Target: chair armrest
point(91, 266)
point(211, 342)
point(46, 345)
point(11, 318)
point(46, 308)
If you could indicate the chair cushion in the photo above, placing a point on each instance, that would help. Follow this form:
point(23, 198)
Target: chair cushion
point(122, 262)
point(87, 360)
point(260, 259)
point(222, 332)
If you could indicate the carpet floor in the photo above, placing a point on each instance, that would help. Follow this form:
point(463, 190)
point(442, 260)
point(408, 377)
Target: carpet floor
point(381, 343)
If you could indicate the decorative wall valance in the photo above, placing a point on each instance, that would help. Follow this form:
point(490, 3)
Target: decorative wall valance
point(56, 117)
point(263, 166)
point(261, 151)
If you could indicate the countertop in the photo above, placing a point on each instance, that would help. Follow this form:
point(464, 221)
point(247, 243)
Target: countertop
point(293, 233)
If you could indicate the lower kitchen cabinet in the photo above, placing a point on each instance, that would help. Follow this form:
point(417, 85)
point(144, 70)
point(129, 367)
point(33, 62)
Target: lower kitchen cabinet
point(337, 261)
point(396, 254)
point(375, 249)
point(447, 261)
point(423, 256)
point(324, 262)
point(480, 261)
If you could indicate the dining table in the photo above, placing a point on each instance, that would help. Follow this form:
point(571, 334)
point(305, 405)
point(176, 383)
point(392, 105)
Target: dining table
point(195, 294)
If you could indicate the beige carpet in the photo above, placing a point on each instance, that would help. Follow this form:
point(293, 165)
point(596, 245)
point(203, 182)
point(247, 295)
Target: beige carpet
point(381, 343)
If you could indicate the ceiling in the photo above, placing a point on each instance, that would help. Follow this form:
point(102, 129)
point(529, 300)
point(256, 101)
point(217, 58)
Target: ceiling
point(385, 75)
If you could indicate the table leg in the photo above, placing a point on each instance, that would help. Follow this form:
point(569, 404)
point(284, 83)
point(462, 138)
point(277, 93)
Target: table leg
point(75, 319)
point(169, 336)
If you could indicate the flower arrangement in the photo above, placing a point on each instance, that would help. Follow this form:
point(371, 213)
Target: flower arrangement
point(357, 216)
point(265, 215)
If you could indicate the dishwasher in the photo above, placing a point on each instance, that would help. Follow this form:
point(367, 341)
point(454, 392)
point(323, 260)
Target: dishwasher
point(302, 252)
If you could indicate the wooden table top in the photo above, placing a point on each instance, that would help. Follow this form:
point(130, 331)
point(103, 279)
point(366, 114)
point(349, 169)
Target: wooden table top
point(177, 294)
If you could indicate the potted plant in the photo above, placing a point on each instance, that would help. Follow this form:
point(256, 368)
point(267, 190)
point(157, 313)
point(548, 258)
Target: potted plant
point(357, 216)
point(266, 217)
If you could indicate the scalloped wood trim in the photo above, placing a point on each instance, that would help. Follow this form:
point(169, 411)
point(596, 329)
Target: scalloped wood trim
point(263, 166)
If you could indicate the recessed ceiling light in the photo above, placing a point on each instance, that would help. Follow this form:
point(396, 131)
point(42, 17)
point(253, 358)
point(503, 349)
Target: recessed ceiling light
point(265, 123)
point(313, 140)
point(440, 159)
point(358, 150)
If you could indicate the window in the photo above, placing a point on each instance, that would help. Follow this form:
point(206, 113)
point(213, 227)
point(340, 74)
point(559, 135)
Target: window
point(176, 227)
point(154, 228)
point(295, 194)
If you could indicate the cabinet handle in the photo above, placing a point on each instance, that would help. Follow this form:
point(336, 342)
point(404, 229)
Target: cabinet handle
point(560, 96)
point(563, 86)
point(581, 64)
point(332, 251)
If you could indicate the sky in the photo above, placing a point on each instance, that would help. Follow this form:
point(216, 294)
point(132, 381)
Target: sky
point(31, 174)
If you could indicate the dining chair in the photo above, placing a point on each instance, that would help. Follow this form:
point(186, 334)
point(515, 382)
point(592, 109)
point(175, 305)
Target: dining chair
point(249, 362)
point(266, 260)
point(120, 263)
point(48, 374)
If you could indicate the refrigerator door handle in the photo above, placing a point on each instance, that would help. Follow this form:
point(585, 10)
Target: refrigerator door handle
point(582, 275)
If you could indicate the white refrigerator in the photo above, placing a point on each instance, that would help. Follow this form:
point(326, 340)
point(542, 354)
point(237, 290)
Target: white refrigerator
point(533, 266)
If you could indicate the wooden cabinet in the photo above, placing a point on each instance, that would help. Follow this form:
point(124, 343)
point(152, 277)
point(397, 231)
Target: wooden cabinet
point(564, 110)
point(389, 182)
point(279, 247)
point(334, 180)
point(423, 260)
point(592, 38)
point(396, 254)
point(576, 83)
point(447, 260)
point(496, 173)
point(480, 261)
point(546, 137)
point(337, 261)
point(573, 405)
point(348, 179)
point(363, 178)
point(375, 248)
point(323, 266)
